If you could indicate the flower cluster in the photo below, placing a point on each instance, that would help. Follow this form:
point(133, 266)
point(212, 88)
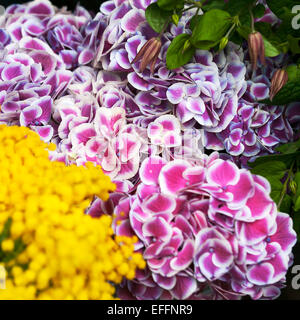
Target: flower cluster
point(49, 247)
point(208, 225)
point(97, 87)
point(38, 44)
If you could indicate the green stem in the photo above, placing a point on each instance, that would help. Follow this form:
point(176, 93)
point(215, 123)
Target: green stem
point(164, 28)
point(252, 20)
point(284, 190)
point(229, 31)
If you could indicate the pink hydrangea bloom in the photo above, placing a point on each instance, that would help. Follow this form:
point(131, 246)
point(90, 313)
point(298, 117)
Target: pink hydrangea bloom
point(205, 226)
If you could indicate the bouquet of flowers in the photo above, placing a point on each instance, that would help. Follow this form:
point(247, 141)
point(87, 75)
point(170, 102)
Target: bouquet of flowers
point(174, 121)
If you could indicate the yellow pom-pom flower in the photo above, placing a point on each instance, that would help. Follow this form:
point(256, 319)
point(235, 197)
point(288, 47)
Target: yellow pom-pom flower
point(50, 249)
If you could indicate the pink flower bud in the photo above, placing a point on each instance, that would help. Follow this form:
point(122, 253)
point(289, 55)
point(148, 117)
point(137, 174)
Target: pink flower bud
point(148, 54)
point(279, 79)
point(256, 48)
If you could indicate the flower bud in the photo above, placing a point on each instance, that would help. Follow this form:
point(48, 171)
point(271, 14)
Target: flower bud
point(186, 45)
point(256, 48)
point(223, 43)
point(279, 79)
point(148, 54)
point(175, 19)
point(293, 186)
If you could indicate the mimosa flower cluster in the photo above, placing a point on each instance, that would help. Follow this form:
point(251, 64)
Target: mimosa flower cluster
point(49, 247)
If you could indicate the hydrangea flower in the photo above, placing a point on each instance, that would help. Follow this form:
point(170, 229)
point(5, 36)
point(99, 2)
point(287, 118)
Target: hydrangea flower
point(209, 225)
point(35, 39)
point(207, 93)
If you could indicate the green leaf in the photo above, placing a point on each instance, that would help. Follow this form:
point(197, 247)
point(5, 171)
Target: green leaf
point(259, 10)
point(273, 171)
point(270, 49)
point(283, 10)
point(293, 72)
point(289, 93)
point(288, 159)
point(194, 21)
point(289, 147)
point(297, 204)
point(178, 53)
point(235, 7)
point(294, 44)
point(216, 4)
point(170, 4)
point(297, 180)
point(210, 29)
point(156, 17)
point(286, 204)
point(270, 168)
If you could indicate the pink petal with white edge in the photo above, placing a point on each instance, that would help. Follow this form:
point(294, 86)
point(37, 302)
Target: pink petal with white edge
point(260, 204)
point(176, 92)
point(184, 257)
point(86, 56)
point(195, 105)
point(285, 235)
point(159, 203)
point(128, 169)
point(223, 173)
point(29, 114)
point(128, 146)
point(109, 121)
point(259, 90)
point(45, 132)
point(47, 61)
point(261, 274)
point(251, 233)
point(241, 191)
point(171, 178)
point(138, 82)
point(35, 44)
point(169, 123)
point(150, 169)
point(83, 133)
point(13, 71)
point(164, 282)
point(158, 228)
point(40, 8)
point(34, 27)
point(184, 288)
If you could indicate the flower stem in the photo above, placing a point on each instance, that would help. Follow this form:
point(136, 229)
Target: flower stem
point(284, 189)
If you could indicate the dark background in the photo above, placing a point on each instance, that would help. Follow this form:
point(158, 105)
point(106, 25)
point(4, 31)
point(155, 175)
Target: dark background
point(288, 292)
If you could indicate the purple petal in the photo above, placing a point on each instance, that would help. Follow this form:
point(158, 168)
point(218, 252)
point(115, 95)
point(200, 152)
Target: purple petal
point(30, 114)
point(132, 19)
point(184, 288)
point(175, 93)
